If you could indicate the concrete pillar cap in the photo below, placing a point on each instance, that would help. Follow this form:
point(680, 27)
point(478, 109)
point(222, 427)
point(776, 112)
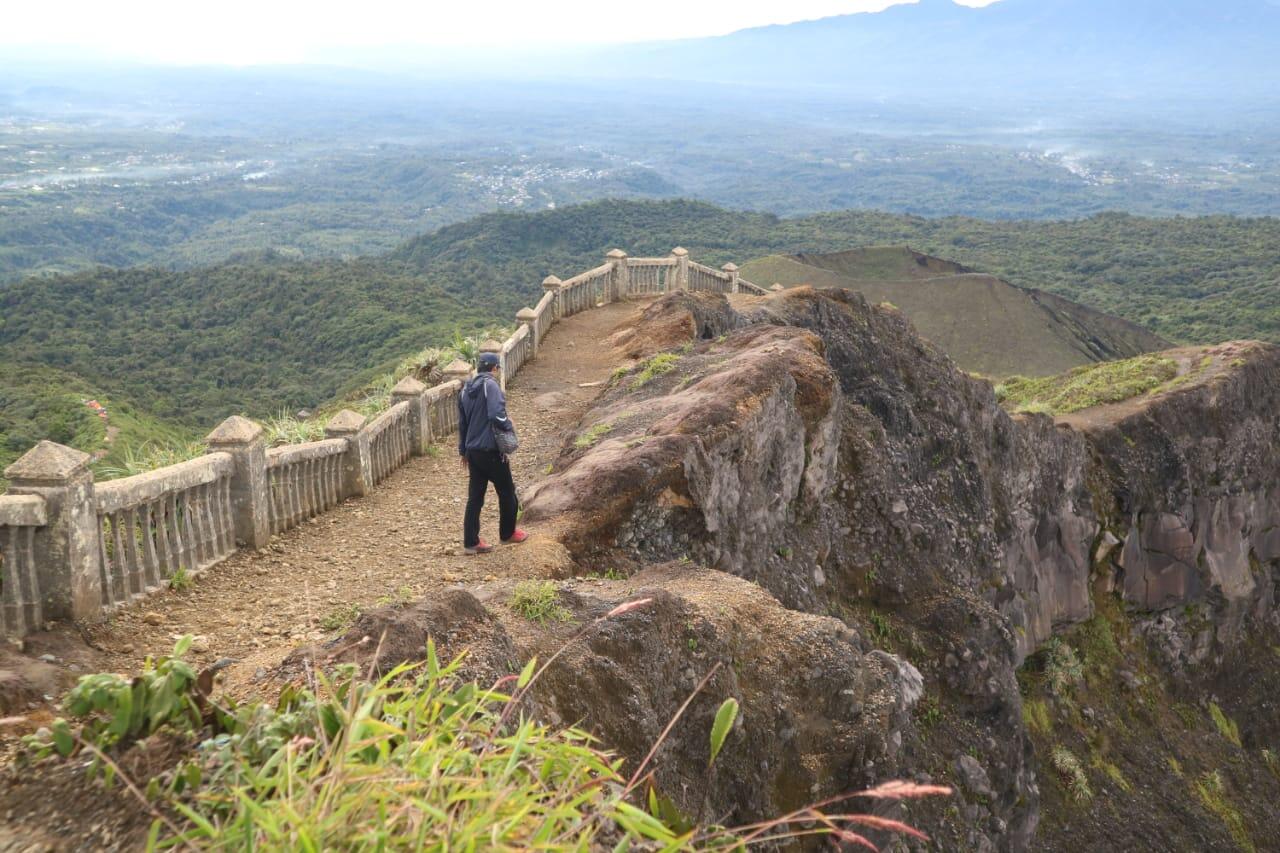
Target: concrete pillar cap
point(616, 253)
point(680, 252)
point(345, 421)
point(235, 430)
point(48, 462)
point(551, 283)
point(457, 367)
point(408, 387)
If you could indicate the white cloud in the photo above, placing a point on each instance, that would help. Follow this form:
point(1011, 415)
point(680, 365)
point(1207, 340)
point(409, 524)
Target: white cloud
point(255, 31)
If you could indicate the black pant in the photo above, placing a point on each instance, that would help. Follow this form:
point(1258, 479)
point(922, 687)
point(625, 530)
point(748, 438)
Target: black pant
point(485, 467)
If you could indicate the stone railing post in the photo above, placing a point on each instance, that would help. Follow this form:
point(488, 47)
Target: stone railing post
point(66, 548)
point(732, 269)
point(357, 466)
point(777, 288)
point(553, 284)
point(496, 347)
point(459, 370)
point(619, 280)
point(413, 392)
point(681, 255)
point(529, 317)
point(250, 484)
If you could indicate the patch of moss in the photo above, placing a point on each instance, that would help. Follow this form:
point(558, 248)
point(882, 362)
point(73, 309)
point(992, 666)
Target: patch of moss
point(662, 363)
point(591, 435)
point(1226, 726)
point(1086, 386)
point(1035, 716)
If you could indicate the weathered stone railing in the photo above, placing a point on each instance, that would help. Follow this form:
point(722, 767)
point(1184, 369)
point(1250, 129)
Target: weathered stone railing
point(152, 526)
point(20, 600)
point(651, 276)
point(390, 444)
point(305, 480)
point(71, 549)
point(584, 290)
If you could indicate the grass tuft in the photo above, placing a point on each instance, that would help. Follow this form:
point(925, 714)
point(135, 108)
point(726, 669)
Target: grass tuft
point(1213, 793)
point(662, 363)
point(538, 601)
point(591, 435)
point(1226, 726)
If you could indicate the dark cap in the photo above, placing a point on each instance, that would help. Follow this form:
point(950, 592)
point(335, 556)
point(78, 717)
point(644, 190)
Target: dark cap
point(489, 358)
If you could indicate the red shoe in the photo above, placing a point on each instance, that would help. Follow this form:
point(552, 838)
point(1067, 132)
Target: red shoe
point(480, 547)
point(516, 538)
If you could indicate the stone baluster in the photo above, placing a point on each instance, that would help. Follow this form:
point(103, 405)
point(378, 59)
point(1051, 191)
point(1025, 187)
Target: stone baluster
point(66, 548)
point(619, 279)
point(496, 348)
point(410, 390)
point(357, 462)
point(553, 284)
point(681, 255)
point(529, 317)
point(250, 484)
point(732, 269)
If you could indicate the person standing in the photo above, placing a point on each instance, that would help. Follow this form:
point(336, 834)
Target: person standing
point(482, 409)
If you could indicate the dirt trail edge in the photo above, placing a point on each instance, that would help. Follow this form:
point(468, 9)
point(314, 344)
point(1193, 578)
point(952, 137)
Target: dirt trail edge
point(401, 542)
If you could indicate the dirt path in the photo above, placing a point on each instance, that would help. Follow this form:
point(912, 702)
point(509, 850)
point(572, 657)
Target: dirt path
point(400, 542)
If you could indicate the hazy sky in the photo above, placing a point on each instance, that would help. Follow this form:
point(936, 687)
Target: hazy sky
point(253, 31)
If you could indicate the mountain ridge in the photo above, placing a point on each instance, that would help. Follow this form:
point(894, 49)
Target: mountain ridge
point(1017, 46)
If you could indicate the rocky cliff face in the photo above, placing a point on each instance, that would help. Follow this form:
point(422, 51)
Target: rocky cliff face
point(896, 578)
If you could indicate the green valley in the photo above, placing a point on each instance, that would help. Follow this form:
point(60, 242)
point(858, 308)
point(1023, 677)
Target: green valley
point(265, 333)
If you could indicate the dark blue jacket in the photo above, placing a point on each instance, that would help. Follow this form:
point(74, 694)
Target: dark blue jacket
point(482, 408)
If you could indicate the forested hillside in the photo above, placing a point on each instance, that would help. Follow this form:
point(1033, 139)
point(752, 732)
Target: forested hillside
point(264, 333)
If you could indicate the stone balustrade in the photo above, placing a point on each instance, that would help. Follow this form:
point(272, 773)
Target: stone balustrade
point(152, 526)
point(20, 600)
point(73, 549)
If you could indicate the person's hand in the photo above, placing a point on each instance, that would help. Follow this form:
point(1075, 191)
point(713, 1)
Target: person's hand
point(463, 461)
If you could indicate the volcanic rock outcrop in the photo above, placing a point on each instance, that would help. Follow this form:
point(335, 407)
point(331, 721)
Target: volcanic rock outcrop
point(816, 446)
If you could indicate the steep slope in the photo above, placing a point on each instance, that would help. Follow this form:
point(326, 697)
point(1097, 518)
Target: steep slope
point(1076, 691)
point(987, 325)
point(40, 402)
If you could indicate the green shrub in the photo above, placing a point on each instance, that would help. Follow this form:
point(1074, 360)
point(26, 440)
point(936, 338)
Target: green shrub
point(1072, 773)
point(1062, 668)
point(112, 709)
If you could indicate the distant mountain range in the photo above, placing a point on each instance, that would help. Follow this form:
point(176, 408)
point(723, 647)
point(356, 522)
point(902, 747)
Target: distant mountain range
point(1116, 48)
